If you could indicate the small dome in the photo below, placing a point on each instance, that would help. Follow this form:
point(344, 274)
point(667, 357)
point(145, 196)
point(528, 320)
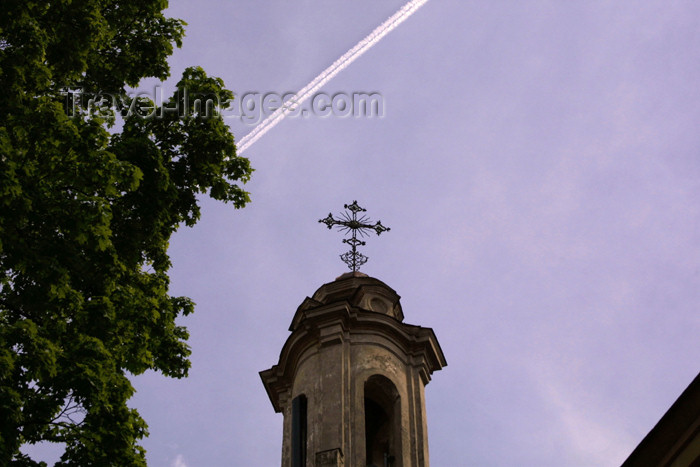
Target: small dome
point(361, 291)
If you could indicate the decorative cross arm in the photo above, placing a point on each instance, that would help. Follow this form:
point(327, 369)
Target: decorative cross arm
point(350, 223)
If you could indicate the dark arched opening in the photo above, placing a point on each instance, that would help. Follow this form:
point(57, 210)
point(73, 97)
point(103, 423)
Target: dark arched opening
point(299, 431)
point(382, 423)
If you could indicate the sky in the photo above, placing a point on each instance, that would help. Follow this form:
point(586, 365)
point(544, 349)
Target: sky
point(538, 163)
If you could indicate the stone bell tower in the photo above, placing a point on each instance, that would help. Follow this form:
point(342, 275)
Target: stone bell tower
point(351, 377)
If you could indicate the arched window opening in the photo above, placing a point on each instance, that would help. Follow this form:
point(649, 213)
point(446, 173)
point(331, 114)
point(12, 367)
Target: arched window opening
point(299, 431)
point(382, 423)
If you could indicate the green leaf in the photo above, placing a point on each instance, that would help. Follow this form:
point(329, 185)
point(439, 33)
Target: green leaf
point(87, 216)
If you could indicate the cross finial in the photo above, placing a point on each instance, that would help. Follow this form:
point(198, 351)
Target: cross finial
point(350, 222)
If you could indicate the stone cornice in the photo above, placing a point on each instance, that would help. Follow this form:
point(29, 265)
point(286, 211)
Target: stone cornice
point(318, 324)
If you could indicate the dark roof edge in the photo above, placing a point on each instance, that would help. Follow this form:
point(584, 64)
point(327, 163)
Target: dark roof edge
point(672, 432)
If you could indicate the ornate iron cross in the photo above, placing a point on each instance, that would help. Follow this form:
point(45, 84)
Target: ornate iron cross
point(349, 222)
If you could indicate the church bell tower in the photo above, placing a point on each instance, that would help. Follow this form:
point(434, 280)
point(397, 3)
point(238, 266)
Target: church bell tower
point(351, 377)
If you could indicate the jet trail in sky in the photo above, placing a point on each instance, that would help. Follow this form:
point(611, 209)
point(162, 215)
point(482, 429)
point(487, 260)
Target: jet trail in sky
point(346, 59)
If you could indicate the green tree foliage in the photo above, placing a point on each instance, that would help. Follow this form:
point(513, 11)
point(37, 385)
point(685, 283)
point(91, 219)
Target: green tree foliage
point(86, 214)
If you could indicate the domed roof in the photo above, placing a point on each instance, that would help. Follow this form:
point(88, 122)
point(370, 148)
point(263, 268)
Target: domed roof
point(359, 291)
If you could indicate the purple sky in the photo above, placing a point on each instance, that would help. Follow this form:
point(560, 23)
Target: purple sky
point(539, 166)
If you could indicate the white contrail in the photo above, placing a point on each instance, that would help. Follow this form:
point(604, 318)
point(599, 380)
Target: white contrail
point(346, 59)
